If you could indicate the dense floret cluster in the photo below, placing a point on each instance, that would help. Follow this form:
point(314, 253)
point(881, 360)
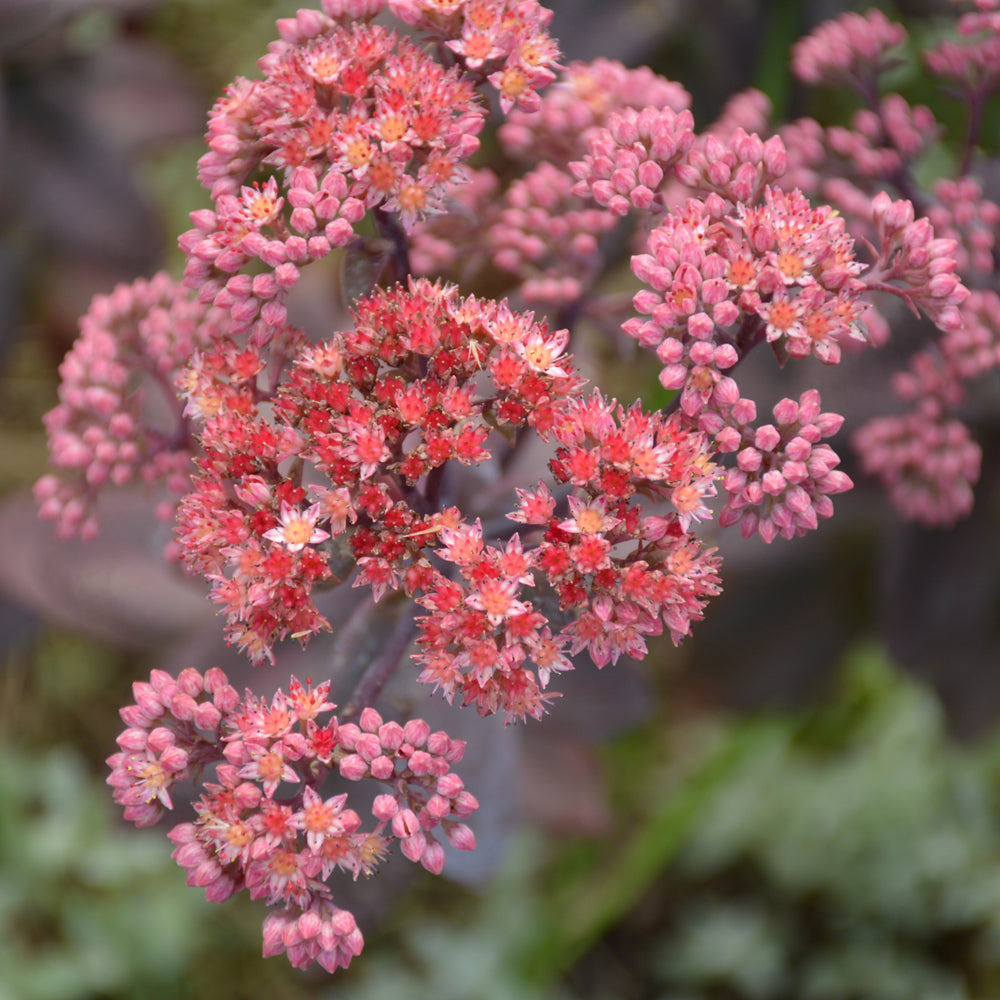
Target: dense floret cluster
point(437, 445)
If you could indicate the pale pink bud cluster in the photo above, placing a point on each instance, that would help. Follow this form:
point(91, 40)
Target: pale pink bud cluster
point(959, 356)
point(548, 237)
point(628, 160)
point(579, 103)
point(117, 421)
point(880, 144)
point(284, 849)
point(738, 166)
point(452, 243)
point(973, 60)
point(321, 933)
point(172, 728)
point(915, 265)
point(784, 476)
point(960, 212)
point(973, 350)
point(418, 761)
point(749, 110)
point(853, 48)
point(926, 462)
point(924, 458)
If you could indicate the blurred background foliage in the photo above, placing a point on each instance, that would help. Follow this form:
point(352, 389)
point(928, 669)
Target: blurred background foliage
point(779, 809)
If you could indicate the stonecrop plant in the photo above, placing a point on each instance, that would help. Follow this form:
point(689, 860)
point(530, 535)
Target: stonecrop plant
point(440, 447)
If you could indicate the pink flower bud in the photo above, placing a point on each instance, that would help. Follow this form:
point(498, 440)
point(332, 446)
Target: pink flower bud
point(420, 762)
point(416, 732)
point(798, 449)
point(227, 775)
point(405, 824)
point(767, 437)
point(147, 699)
point(183, 707)
point(438, 807)
point(353, 767)
point(391, 736)
point(786, 411)
point(207, 716)
point(174, 759)
point(449, 785)
point(348, 735)
point(460, 836)
point(465, 804)
point(161, 738)
point(383, 768)
point(385, 807)
point(775, 157)
point(225, 698)
point(728, 439)
point(214, 679)
point(413, 847)
point(370, 721)
point(734, 481)
point(133, 739)
point(368, 746)
point(433, 857)
point(247, 795)
point(773, 483)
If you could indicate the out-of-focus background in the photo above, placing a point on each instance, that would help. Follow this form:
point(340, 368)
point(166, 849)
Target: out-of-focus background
point(801, 802)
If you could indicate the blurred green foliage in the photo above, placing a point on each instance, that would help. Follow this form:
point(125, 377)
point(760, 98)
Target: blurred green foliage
point(848, 852)
point(86, 909)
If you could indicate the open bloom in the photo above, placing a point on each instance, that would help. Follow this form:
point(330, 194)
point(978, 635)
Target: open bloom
point(296, 529)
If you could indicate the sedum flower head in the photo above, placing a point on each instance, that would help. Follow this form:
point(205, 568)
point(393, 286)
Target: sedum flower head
point(262, 824)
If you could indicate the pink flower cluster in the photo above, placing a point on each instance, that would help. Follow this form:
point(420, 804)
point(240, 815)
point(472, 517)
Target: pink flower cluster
point(627, 161)
point(579, 104)
point(925, 457)
point(424, 380)
point(783, 477)
point(395, 454)
point(880, 142)
point(284, 850)
point(973, 59)
point(927, 464)
point(622, 574)
point(375, 411)
point(346, 119)
point(852, 49)
point(118, 420)
point(548, 238)
point(962, 213)
point(504, 41)
point(926, 460)
point(541, 229)
point(915, 265)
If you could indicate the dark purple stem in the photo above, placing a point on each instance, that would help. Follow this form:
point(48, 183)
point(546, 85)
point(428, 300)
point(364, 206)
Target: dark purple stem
point(383, 666)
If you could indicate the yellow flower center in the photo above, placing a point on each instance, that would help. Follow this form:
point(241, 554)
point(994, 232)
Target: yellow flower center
point(298, 531)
